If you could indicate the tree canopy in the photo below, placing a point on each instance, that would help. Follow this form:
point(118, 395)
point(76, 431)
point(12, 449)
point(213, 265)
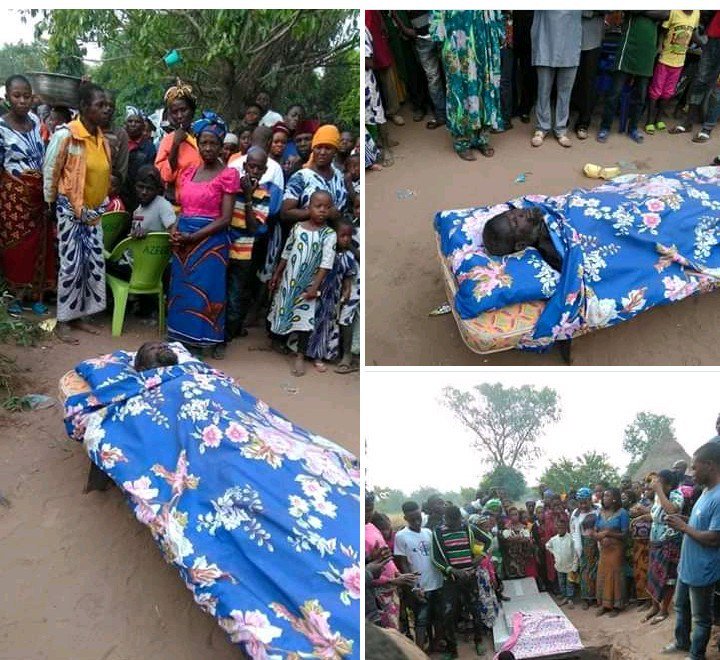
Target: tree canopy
point(589, 469)
point(646, 431)
point(506, 422)
point(390, 500)
point(228, 55)
point(21, 58)
point(504, 476)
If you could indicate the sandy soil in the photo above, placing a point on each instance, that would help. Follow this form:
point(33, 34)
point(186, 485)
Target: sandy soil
point(81, 578)
point(402, 274)
point(622, 638)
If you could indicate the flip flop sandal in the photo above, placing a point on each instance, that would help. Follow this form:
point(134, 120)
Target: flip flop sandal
point(658, 619)
point(660, 126)
point(467, 155)
point(15, 309)
point(678, 130)
point(650, 129)
point(320, 367)
point(636, 136)
point(38, 308)
point(433, 124)
point(701, 136)
point(346, 369)
point(487, 151)
point(602, 135)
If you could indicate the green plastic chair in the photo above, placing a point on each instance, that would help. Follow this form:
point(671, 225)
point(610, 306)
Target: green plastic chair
point(114, 226)
point(150, 256)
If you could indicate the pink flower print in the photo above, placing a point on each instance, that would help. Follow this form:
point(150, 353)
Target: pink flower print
point(141, 489)
point(460, 38)
point(153, 381)
point(280, 423)
point(677, 288)
point(655, 205)
point(325, 507)
point(351, 581)
point(211, 436)
point(237, 433)
point(110, 456)
point(651, 220)
point(146, 513)
point(312, 487)
point(180, 479)
point(253, 629)
point(277, 442)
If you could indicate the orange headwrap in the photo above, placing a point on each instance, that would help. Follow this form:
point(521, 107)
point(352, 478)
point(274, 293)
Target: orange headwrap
point(327, 134)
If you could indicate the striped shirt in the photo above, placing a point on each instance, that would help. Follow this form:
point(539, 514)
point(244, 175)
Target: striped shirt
point(266, 201)
point(454, 548)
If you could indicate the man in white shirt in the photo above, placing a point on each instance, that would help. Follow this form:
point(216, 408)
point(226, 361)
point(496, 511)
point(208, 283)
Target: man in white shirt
point(270, 117)
point(413, 545)
point(273, 174)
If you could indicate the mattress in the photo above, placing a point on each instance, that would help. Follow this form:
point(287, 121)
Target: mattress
point(490, 332)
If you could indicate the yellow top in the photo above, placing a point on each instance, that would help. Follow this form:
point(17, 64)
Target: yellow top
point(97, 168)
point(680, 27)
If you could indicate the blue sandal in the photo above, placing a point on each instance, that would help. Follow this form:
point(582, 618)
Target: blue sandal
point(602, 135)
point(636, 136)
point(15, 308)
point(38, 308)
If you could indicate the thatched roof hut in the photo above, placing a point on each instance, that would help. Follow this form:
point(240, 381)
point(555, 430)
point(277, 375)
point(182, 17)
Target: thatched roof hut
point(661, 457)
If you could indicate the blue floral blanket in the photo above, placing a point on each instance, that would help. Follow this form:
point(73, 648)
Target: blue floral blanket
point(635, 243)
point(260, 517)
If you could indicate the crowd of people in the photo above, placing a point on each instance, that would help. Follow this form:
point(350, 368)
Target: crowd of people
point(263, 222)
point(605, 547)
point(475, 71)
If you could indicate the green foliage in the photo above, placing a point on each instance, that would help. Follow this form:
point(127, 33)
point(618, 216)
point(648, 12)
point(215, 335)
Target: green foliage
point(504, 476)
point(586, 470)
point(390, 500)
point(507, 422)
point(228, 55)
point(646, 431)
point(21, 58)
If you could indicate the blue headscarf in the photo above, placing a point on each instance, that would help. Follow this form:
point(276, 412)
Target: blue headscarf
point(584, 493)
point(210, 122)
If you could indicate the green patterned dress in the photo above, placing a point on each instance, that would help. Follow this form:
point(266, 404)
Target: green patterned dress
point(471, 43)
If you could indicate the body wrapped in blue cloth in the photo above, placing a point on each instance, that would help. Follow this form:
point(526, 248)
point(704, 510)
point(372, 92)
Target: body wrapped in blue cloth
point(260, 517)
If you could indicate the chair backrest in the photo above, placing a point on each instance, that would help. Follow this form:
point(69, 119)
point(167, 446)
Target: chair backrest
point(150, 256)
point(114, 225)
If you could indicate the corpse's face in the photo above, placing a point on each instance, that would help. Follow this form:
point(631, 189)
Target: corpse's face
point(154, 354)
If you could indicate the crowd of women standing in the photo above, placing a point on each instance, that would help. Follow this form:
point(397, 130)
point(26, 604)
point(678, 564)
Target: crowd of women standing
point(264, 218)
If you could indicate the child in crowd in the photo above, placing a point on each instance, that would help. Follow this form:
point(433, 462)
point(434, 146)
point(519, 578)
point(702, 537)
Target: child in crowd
point(114, 202)
point(254, 204)
point(245, 140)
point(562, 548)
point(352, 173)
point(680, 29)
point(307, 258)
point(231, 145)
point(349, 317)
point(155, 213)
point(324, 343)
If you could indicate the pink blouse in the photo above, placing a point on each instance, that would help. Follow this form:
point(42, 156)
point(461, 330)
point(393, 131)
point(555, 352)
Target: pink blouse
point(204, 198)
point(373, 537)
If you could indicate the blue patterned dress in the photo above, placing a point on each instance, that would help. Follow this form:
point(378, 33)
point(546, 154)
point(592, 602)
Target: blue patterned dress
point(305, 252)
point(324, 342)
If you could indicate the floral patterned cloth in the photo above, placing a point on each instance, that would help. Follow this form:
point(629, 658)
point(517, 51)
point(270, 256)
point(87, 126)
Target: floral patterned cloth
point(471, 42)
point(260, 517)
point(635, 243)
point(536, 634)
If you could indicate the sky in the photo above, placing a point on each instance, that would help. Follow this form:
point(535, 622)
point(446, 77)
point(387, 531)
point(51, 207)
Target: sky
point(413, 441)
point(12, 30)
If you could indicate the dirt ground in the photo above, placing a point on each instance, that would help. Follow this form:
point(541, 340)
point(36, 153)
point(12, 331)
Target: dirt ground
point(81, 578)
point(622, 638)
point(402, 275)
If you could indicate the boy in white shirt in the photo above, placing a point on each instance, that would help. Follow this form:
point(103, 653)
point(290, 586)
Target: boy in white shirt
point(562, 548)
point(413, 545)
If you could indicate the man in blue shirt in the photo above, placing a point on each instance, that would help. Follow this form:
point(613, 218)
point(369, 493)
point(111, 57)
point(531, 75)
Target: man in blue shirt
point(699, 567)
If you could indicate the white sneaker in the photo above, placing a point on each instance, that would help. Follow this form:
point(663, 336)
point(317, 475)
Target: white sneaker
point(538, 138)
point(397, 120)
point(564, 141)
